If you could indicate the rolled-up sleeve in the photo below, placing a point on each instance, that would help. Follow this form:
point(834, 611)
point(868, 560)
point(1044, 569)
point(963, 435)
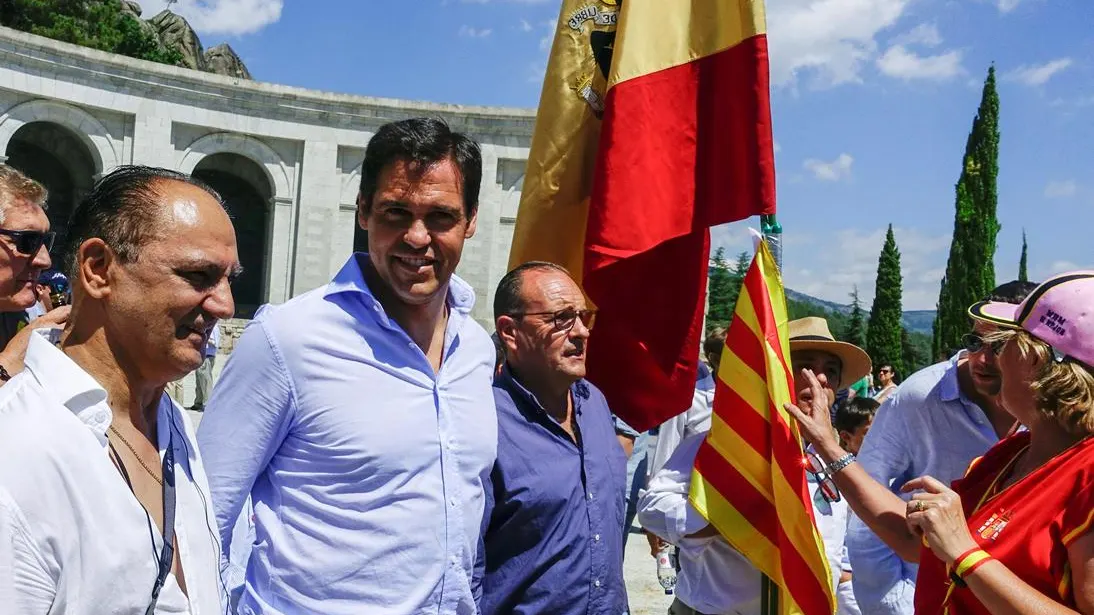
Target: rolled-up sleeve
point(663, 507)
point(883, 583)
point(245, 422)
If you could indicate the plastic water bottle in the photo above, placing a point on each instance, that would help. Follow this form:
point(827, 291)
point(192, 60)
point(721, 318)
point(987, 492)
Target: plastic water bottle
point(666, 569)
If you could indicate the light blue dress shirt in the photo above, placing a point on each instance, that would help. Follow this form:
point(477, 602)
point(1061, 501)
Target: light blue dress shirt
point(364, 466)
point(928, 426)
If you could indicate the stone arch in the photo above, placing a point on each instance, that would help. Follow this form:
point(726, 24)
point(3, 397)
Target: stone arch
point(248, 193)
point(81, 123)
point(269, 160)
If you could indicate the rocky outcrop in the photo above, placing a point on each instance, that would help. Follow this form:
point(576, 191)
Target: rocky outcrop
point(223, 60)
point(175, 33)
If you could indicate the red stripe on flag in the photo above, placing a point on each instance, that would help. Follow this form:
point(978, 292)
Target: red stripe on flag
point(742, 341)
point(680, 150)
point(746, 421)
point(765, 314)
point(735, 488)
point(800, 580)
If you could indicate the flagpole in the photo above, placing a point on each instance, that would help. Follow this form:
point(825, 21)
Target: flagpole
point(772, 233)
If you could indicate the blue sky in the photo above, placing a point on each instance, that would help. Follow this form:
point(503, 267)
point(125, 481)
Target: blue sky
point(872, 104)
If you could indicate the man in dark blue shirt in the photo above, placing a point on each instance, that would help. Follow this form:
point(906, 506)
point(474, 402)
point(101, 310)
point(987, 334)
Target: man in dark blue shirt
point(553, 526)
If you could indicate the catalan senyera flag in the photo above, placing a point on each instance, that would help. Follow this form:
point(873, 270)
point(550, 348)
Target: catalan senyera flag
point(654, 124)
point(749, 480)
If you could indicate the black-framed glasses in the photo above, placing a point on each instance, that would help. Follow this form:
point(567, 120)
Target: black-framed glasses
point(565, 319)
point(29, 242)
point(827, 487)
point(975, 343)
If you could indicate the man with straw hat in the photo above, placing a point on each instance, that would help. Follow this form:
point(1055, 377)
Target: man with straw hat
point(714, 578)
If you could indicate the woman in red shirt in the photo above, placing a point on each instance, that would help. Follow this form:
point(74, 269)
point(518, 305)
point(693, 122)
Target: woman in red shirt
point(1013, 536)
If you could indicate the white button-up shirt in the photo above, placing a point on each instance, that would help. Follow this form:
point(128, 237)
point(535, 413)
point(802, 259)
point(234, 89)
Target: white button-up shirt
point(364, 466)
point(73, 537)
point(714, 577)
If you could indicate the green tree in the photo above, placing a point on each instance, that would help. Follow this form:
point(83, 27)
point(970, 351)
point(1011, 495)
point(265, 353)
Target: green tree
point(970, 271)
point(855, 333)
point(883, 334)
point(740, 269)
point(1023, 274)
point(98, 24)
point(720, 294)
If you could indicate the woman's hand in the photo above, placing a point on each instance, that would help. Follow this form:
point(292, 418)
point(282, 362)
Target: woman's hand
point(814, 418)
point(935, 514)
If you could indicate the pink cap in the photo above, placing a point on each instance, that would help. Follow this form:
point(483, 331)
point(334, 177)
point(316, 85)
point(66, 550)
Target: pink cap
point(1059, 312)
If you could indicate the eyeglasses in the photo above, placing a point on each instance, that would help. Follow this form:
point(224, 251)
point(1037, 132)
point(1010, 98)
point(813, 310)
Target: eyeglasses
point(975, 343)
point(827, 490)
point(884, 370)
point(564, 319)
point(29, 242)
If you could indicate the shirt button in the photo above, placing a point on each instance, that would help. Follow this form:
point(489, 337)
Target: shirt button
point(590, 495)
point(597, 538)
point(596, 583)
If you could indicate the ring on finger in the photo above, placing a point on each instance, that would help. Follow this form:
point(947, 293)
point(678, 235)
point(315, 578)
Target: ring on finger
point(920, 506)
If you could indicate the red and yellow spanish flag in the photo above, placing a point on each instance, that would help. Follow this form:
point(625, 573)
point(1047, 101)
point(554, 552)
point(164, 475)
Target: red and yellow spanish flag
point(749, 480)
point(654, 124)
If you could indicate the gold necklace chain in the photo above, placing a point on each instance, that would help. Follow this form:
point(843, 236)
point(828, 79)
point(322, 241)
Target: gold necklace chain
point(134, 451)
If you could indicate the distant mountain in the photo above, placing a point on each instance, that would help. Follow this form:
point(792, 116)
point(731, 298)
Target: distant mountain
point(919, 321)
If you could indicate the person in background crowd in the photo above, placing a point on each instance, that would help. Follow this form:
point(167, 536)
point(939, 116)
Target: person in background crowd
point(204, 375)
point(104, 506)
point(553, 527)
point(886, 377)
point(940, 419)
point(714, 577)
point(25, 242)
point(853, 420)
point(359, 416)
point(1012, 536)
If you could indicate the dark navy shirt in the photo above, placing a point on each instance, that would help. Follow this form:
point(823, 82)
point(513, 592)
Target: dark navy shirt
point(553, 537)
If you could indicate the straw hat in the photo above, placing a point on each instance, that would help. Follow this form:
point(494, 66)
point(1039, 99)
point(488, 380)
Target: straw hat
point(812, 334)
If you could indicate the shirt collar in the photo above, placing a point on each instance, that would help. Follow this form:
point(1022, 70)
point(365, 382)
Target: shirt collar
point(351, 279)
point(68, 383)
point(578, 390)
point(950, 387)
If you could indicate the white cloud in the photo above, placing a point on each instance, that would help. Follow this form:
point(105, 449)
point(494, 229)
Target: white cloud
point(829, 40)
point(1061, 189)
point(925, 34)
point(778, 148)
point(228, 17)
point(901, 63)
point(1038, 74)
point(469, 32)
point(834, 171)
point(828, 266)
point(525, 26)
point(1006, 6)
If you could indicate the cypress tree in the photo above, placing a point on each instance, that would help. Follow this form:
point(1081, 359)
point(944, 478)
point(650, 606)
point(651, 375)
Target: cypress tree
point(856, 323)
point(970, 271)
point(720, 296)
point(744, 261)
point(883, 334)
point(1023, 274)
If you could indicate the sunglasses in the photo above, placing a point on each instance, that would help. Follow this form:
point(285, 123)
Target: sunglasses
point(29, 242)
point(827, 492)
point(565, 319)
point(974, 343)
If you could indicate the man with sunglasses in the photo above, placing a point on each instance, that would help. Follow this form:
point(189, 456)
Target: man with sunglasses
point(935, 423)
point(553, 527)
point(714, 578)
point(25, 242)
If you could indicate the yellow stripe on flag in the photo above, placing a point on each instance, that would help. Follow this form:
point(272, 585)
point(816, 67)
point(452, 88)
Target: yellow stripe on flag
point(655, 34)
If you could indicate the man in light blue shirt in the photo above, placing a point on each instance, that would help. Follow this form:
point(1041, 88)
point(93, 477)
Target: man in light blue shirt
point(936, 423)
point(359, 417)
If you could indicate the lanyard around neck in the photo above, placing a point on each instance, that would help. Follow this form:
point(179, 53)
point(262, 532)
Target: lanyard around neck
point(167, 554)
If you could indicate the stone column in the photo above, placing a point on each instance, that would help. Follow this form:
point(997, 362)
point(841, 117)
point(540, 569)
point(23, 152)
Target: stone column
point(320, 190)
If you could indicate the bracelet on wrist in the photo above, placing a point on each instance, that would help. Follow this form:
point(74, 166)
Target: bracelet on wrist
point(839, 464)
point(966, 563)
